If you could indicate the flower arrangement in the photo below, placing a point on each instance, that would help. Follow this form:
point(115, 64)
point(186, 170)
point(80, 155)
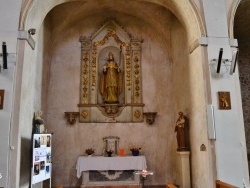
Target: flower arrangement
point(89, 151)
point(135, 149)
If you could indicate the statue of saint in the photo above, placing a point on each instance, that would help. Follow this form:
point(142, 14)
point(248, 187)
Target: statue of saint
point(39, 123)
point(181, 128)
point(111, 81)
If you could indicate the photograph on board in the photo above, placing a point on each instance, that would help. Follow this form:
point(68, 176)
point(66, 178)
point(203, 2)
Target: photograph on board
point(47, 169)
point(36, 168)
point(48, 158)
point(37, 142)
point(43, 140)
point(48, 141)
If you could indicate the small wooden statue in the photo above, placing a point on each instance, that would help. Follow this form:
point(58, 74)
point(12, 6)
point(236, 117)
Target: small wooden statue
point(182, 130)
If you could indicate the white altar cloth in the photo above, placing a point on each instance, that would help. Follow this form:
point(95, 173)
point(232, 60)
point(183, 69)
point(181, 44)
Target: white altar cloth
point(100, 163)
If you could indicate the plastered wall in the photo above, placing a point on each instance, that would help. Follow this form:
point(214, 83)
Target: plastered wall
point(33, 96)
point(63, 95)
point(190, 98)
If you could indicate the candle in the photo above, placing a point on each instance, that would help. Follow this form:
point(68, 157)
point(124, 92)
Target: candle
point(122, 152)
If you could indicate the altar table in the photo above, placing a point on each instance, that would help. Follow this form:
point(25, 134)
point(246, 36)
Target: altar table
point(101, 163)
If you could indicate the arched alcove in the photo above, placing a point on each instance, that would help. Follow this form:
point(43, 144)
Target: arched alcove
point(241, 31)
point(172, 81)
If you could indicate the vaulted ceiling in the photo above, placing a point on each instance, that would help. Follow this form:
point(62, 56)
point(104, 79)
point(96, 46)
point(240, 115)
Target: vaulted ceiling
point(72, 13)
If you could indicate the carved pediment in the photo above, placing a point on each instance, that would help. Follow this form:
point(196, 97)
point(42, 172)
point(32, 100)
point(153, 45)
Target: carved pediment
point(111, 24)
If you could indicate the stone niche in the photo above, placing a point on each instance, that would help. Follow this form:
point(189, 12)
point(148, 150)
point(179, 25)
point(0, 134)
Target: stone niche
point(127, 54)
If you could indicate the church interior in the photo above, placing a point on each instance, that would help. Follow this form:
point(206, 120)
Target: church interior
point(82, 78)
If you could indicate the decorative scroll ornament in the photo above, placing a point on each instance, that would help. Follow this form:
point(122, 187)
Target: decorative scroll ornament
point(128, 68)
point(111, 175)
point(85, 69)
point(85, 75)
point(84, 114)
point(111, 109)
point(137, 114)
point(85, 43)
point(94, 70)
point(137, 75)
point(110, 33)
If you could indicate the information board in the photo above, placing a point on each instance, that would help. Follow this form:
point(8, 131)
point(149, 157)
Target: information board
point(41, 165)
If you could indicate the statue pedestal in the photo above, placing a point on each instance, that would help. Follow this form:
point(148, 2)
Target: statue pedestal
point(183, 165)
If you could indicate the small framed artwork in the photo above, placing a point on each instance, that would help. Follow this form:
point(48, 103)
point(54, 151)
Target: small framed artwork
point(224, 100)
point(1, 98)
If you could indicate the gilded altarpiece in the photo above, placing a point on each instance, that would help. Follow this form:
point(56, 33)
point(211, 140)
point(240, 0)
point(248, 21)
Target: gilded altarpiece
point(111, 43)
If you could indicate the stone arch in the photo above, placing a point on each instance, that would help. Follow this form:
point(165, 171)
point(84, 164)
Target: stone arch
point(232, 16)
point(188, 16)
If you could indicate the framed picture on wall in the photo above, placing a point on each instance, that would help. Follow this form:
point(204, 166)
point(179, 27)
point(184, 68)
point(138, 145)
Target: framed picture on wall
point(1, 98)
point(224, 100)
